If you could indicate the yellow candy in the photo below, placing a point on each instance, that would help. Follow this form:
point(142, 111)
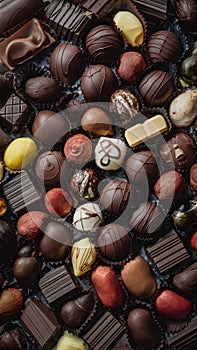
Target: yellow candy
point(20, 153)
point(131, 27)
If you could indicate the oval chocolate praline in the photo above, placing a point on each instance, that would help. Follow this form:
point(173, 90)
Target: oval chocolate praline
point(42, 89)
point(186, 280)
point(115, 196)
point(26, 271)
point(114, 242)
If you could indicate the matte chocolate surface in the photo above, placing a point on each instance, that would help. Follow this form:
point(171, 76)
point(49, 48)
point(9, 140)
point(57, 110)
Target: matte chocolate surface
point(186, 339)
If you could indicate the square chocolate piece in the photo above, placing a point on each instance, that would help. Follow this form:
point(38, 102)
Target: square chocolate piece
point(186, 339)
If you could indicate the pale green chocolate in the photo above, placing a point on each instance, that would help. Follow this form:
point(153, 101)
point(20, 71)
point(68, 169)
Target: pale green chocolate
point(69, 341)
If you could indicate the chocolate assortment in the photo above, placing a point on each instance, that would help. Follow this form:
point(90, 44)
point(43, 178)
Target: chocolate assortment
point(98, 175)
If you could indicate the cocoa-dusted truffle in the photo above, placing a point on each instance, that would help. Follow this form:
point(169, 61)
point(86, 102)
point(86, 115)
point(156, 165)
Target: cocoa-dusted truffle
point(78, 149)
point(42, 89)
point(30, 224)
point(114, 196)
point(103, 44)
point(164, 46)
point(179, 151)
point(187, 13)
point(169, 186)
point(67, 63)
point(85, 183)
point(58, 202)
point(193, 177)
point(98, 82)
point(125, 104)
point(131, 66)
point(97, 122)
point(156, 87)
point(114, 242)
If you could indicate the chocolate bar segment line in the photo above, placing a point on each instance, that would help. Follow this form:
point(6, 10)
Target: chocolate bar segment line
point(185, 339)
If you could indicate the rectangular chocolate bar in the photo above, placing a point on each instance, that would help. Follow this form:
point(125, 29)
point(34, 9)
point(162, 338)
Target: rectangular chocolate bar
point(56, 284)
point(185, 339)
point(101, 7)
point(168, 253)
point(14, 114)
point(21, 193)
point(25, 43)
point(69, 20)
point(156, 8)
point(41, 324)
point(105, 332)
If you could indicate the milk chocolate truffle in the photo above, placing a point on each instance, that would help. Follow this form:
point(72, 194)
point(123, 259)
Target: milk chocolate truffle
point(67, 63)
point(30, 224)
point(187, 13)
point(142, 169)
point(55, 241)
point(55, 124)
point(131, 27)
point(58, 202)
point(179, 151)
point(7, 241)
point(115, 196)
point(51, 168)
point(164, 46)
point(5, 89)
point(78, 149)
point(42, 89)
point(114, 242)
point(125, 104)
point(103, 44)
point(147, 219)
point(186, 281)
point(143, 329)
point(131, 66)
point(97, 122)
point(110, 153)
point(26, 271)
point(193, 177)
point(85, 183)
point(75, 312)
point(87, 217)
point(169, 186)
point(98, 82)
point(156, 87)
point(183, 109)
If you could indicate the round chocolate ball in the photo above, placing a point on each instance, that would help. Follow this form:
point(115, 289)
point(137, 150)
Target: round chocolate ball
point(29, 224)
point(78, 149)
point(164, 46)
point(25, 252)
point(156, 87)
point(114, 242)
point(26, 271)
point(51, 168)
point(98, 82)
point(42, 89)
point(115, 196)
point(103, 44)
point(169, 186)
point(97, 122)
point(131, 66)
point(67, 63)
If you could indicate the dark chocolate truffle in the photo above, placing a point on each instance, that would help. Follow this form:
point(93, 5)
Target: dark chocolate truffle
point(26, 271)
point(187, 14)
point(164, 46)
point(51, 168)
point(5, 89)
point(75, 312)
point(42, 89)
point(169, 186)
point(98, 82)
point(142, 169)
point(179, 151)
point(97, 122)
point(131, 66)
point(186, 280)
point(67, 63)
point(114, 242)
point(143, 329)
point(103, 44)
point(114, 196)
point(85, 183)
point(55, 124)
point(156, 87)
point(193, 177)
point(7, 242)
point(147, 219)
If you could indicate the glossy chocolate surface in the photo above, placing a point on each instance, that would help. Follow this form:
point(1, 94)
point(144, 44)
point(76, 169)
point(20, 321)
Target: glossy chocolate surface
point(114, 196)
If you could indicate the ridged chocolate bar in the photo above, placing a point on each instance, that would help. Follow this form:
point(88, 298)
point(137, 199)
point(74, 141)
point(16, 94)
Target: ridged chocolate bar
point(69, 20)
point(101, 8)
point(40, 323)
point(185, 339)
point(21, 193)
point(56, 284)
point(168, 253)
point(104, 333)
point(154, 8)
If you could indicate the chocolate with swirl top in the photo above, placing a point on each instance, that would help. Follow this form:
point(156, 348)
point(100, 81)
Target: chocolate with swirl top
point(78, 149)
point(110, 153)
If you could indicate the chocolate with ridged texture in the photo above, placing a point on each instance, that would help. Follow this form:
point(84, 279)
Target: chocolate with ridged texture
point(179, 151)
point(98, 82)
point(24, 44)
point(156, 87)
point(193, 177)
point(186, 281)
point(164, 46)
point(143, 329)
point(5, 89)
point(26, 271)
point(99, 8)
point(156, 8)
point(78, 149)
point(56, 284)
point(40, 322)
point(85, 183)
point(70, 21)
point(185, 339)
point(51, 168)
point(4, 140)
point(55, 241)
point(147, 219)
point(21, 193)
point(67, 63)
point(168, 253)
point(114, 242)
point(15, 11)
point(75, 312)
point(42, 89)
point(97, 122)
point(142, 169)
point(187, 12)
point(115, 196)
point(125, 104)
point(170, 186)
point(122, 347)
point(103, 44)
point(7, 242)
point(14, 339)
